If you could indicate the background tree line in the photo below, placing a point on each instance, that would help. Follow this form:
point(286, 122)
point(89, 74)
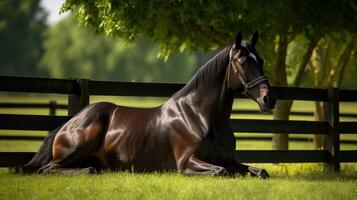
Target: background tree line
point(30, 47)
point(303, 42)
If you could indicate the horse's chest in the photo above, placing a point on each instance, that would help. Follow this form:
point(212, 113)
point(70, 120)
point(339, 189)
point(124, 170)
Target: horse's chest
point(216, 148)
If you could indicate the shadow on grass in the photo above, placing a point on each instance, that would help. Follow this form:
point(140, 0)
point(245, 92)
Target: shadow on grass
point(320, 176)
point(294, 172)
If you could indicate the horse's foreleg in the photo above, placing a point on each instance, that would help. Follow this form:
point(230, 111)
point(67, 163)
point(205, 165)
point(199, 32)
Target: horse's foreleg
point(187, 163)
point(198, 167)
point(242, 169)
point(238, 168)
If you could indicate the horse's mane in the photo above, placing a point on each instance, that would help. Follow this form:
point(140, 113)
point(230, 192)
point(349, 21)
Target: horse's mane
point(207, 72)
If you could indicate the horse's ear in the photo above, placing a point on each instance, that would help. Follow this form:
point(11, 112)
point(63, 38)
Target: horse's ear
point(238, 40)
point(254, 39)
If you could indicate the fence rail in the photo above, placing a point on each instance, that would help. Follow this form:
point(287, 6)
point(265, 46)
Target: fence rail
point(56, 106)
point(53, 107)
point(79, 91)
point(239, 138)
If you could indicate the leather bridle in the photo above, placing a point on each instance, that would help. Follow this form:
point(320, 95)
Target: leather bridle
point(246, 85)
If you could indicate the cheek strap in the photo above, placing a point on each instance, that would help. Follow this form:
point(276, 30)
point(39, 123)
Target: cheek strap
point(246, 85)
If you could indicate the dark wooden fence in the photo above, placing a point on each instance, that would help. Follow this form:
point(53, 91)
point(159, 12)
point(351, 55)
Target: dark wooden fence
point(79, 91)
point(53, 107)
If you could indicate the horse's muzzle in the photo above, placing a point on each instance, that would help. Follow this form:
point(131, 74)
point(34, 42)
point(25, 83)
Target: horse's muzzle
point(267, 101)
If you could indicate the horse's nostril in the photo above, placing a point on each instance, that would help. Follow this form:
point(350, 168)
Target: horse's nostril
point(269, 100)
point(266, 100)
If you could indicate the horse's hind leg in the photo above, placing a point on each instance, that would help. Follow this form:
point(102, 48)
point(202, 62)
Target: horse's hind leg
point(72, 150)
point(61, 166)
point(53, 167)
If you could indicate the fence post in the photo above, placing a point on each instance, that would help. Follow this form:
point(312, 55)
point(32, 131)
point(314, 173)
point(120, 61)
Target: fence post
point(76, 102)
point(52, 107)
point(332, 140)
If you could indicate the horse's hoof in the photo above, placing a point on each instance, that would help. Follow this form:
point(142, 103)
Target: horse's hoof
point(221, 172)
point(263, 174)
point(89, 170)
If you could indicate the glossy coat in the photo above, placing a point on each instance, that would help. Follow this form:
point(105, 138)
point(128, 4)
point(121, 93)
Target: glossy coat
point(190, 132)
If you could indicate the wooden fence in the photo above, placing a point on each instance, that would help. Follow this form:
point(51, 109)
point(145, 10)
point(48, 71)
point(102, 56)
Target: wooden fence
point(79, 91)
point(53, 107)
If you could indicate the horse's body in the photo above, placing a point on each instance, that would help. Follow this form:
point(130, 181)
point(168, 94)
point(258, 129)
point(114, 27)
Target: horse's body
point(189, 133)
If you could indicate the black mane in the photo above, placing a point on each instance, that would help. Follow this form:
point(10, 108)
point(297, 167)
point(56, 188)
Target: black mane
point(207, 72)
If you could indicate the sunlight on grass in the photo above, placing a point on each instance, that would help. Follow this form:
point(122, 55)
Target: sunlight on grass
point(19, 146)
point(125, 185)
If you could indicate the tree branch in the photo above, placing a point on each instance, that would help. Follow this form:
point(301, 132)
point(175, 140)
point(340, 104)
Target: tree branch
point(280, 68)
point(217, 37)
point(342, 62)
point(325, 63)
point(305, 60)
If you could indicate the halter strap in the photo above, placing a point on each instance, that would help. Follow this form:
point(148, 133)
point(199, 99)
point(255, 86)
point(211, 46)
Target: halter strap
point(246, 85)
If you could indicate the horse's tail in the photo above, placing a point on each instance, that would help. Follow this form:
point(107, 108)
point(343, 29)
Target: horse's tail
point(42, 157)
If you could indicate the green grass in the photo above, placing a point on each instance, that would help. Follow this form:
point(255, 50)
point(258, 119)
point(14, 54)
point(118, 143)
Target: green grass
point(125, 185)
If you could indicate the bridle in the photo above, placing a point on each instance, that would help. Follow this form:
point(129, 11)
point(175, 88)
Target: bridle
point(246, 85)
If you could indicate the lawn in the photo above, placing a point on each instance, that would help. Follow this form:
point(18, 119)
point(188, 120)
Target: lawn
point(289, 181)
point(125, 185)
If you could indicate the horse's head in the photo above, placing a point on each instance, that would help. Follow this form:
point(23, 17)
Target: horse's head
point(246, 72)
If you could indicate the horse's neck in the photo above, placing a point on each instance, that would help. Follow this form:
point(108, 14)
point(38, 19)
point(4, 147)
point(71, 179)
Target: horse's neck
point(213, 98)
point(224, 104)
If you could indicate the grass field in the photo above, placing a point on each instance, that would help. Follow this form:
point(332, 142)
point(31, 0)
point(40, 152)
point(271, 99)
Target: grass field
point(125, 185)
point(289, 181)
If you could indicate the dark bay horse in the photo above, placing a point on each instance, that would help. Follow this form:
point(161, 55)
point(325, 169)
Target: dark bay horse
point(189, 133)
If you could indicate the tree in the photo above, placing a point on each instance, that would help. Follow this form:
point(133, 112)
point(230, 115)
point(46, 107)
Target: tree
point(78, 52)
point(21, 26)
point(328, 66)
point(316, 24)
point(201, 25)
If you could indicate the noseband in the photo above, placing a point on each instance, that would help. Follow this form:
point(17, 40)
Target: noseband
point(246, 85)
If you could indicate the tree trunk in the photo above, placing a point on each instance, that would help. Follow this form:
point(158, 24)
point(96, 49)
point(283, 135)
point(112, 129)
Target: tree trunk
point(303, 65)
point(281, 111)
point(328, 80)
point(319, 116)
point(321, 69)
point(343, 61)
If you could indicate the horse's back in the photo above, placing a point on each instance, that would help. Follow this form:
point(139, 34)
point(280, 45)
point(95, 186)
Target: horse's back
point(120, 137)
point(95, 112)
point(136, 139)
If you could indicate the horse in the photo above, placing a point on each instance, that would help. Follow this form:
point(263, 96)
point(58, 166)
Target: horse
point(189, 133)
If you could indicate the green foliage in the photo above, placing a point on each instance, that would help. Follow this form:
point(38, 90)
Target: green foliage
point(73, 51)
point(209, 25)
point(202, 25)
point(21, 26)
point(334, 56)
point(176, 25)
